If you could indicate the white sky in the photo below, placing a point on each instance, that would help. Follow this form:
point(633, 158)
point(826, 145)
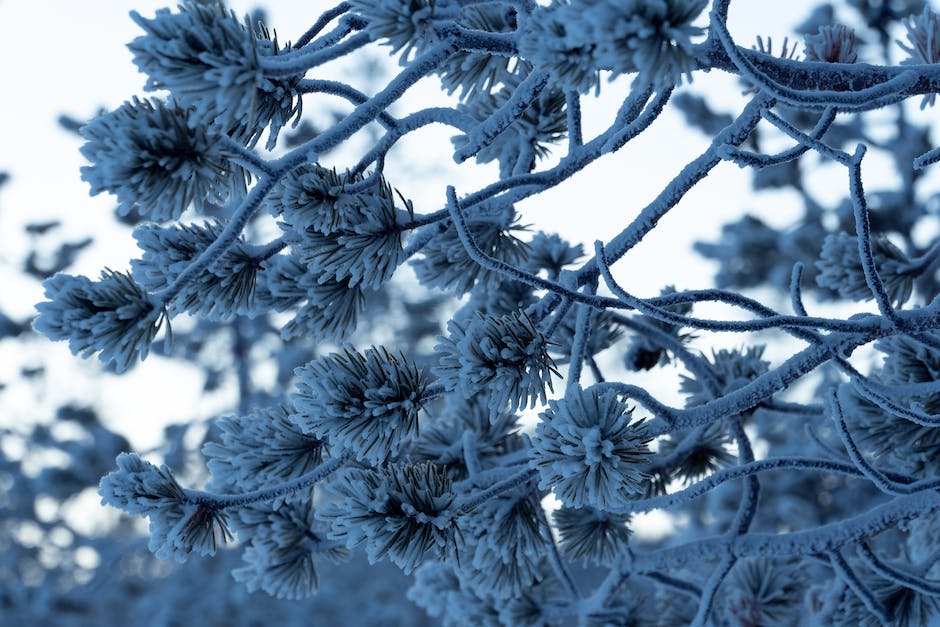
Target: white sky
point(69, 56)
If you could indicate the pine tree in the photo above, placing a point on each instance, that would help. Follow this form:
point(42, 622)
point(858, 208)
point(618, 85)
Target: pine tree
point(803, 485)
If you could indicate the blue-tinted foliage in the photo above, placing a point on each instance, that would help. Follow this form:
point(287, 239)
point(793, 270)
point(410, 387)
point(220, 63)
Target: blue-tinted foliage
point(226, 288)
point(834, 43)
point(841, 270)
point(798, 476)
point(592, 534)
point(178, 526)
point(261, 448)
point(761, 591)
point(505, 359)
point(212, 62)
point(323, 309)
point(283, 544)
point(491, 437)
point(576, 39)
point(114, 317)
point(340, 236)
point(366, 402)
point(404, 26)
point(504, 547)
point(148, 155)
point(401, 511)
point(588, 448)
point(447, 265)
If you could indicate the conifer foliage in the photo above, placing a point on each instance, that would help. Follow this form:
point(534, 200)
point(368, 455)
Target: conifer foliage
point(798, 484)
